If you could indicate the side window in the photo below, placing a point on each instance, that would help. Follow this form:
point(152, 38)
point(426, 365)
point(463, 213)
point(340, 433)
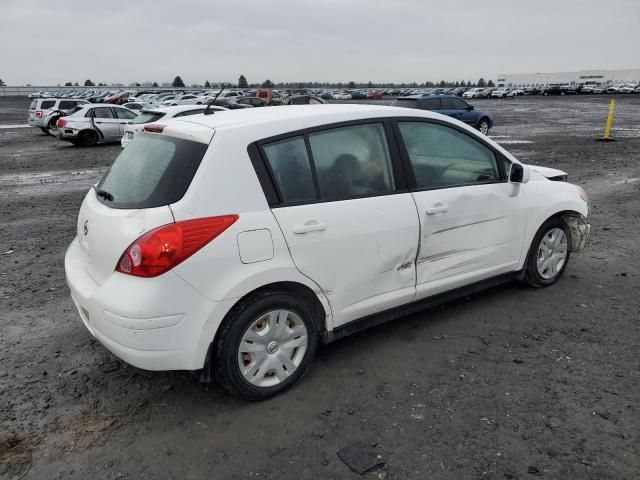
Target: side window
point(124, 114)
point(66, 104)
point(352, 161)
point(430, 104)
point(47, 104)
point(102, 112)
point(444, 157)
point(291, 169)
point(451, 103)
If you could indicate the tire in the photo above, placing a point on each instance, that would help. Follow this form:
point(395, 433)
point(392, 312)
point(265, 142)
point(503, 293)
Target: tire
point(45, 130)
point(269, 367)
point(88, 138)
point(540, 272)
point(483, 126)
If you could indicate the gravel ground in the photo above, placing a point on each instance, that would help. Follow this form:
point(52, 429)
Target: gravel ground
point(509, 383)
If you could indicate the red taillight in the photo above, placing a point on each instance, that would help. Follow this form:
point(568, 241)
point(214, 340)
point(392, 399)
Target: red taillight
point(165, 247)
point(61, 123)
point(154, 128)
point(38, 114)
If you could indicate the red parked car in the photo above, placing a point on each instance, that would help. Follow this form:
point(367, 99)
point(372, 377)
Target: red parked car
point(373, 95)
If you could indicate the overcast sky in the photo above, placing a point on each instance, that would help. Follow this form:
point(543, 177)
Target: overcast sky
point(50, 42)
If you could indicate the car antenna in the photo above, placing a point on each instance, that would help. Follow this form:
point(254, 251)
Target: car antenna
point(207, 111)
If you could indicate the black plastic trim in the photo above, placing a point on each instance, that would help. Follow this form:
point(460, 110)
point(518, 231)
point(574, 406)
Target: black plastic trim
point(413, 307)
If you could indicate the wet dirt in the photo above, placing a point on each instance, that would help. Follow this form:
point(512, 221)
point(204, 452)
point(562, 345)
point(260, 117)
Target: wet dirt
point(508, 383)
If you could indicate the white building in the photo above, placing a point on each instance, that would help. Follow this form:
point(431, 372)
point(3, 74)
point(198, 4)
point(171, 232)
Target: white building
point(589, 77)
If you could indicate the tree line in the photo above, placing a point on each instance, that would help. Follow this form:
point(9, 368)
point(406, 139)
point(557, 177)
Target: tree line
point(244, 83)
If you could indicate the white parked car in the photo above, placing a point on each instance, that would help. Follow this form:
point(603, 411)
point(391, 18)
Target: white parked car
point(500, 93)
point(628, 88)
point(43, 113)
point(341, 96)
point(165, 113)
point(472, 93)
point(188, 99)
point(237, 241)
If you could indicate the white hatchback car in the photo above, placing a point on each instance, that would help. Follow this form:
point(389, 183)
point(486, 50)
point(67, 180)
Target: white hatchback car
point(234, 242)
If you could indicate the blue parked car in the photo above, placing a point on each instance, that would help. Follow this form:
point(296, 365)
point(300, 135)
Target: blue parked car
point(448, 105)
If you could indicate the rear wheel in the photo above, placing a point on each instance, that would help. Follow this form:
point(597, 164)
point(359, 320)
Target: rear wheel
point(265, 345)
point(549, 254)
point(483, 126)
point(45, 130)
point(88, 138)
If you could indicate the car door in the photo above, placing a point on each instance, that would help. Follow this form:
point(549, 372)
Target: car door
point(124, 117)
point(472, 221)
point(456, 108)
point(106, 122)
point(348, 220)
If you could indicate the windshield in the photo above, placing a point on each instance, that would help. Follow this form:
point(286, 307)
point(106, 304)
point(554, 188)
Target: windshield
point(148, 117)
point(154, 170)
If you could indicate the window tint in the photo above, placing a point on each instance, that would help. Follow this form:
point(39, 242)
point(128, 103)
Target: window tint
point(46, 104)
point(444, 157)
point(430, 104)
point(352, 161)
point(451, 103)
point(152, 171)
point(66, 104)
point(125, 114)
point(102, 112)
point(291, 169)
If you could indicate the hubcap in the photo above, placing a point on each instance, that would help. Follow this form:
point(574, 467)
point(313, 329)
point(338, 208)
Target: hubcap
point(272, 348)
point(484, 128)
point(552, 253)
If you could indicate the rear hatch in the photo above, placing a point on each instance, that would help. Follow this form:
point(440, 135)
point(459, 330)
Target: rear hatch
point(134, 195)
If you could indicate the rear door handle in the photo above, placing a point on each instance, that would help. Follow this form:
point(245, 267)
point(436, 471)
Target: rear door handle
point(438, 208)
point(310, 226)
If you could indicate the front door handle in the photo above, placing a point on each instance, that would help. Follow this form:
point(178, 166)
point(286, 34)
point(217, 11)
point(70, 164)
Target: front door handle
point(437, 209)
point(310, 226)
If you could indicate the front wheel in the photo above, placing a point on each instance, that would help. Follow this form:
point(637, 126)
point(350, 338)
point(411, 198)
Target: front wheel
point(549, 254)
point(265, 345)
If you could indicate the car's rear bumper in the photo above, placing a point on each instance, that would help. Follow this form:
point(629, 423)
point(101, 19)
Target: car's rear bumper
point(155, 323)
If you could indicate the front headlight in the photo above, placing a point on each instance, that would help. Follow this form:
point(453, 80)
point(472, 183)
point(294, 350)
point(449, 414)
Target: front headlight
point(583, 194)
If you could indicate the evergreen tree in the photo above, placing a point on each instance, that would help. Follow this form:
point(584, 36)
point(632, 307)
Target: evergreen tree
point(207, 84)
point(88, 83)
point(242, 82)
point(177, 82)
point(481, 83)
point(491, 84)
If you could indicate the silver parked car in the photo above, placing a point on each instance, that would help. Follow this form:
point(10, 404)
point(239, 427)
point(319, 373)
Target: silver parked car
point(95, 123)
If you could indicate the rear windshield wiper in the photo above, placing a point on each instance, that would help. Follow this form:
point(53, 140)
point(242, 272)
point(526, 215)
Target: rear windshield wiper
point(104, 194)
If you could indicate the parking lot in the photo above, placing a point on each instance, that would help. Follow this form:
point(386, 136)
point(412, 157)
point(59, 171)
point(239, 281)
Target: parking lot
point(509, 383)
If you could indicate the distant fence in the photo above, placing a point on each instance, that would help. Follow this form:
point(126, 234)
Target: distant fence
point(25, 91)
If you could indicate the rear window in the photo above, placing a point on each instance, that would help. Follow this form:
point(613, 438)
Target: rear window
point(148, 117)
point(47, 104)
point(154, 170)
point(33, 105)
point(406, 103)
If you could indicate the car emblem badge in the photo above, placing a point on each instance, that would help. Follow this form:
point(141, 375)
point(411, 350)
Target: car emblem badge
point(85, 228)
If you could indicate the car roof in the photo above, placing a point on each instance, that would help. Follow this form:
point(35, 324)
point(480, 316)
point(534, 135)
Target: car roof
point(304, 116)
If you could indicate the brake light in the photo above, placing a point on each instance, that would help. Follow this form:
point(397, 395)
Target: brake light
point(154, 128)
point(38, 114)
point(61, 123)
point(161, 249)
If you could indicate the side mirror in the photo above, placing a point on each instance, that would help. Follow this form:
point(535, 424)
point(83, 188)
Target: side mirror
point(519, 173)
point(470, 107)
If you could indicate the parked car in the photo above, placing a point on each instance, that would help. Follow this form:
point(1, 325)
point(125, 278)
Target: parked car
point(516, 92)
point(374, 95)
point(472, 93)
point(93, 124)
point(43, 113)
point(270, 97)
point(153, 115)
point(302, 100)
point(341, 96)
point(500, 93)
point(186, 99)
point(358, 95)
point(628, 88)
point(230, 103)
point(451, 106)
point(249, 205)
point(252, 101)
